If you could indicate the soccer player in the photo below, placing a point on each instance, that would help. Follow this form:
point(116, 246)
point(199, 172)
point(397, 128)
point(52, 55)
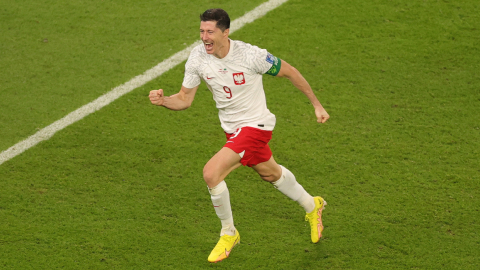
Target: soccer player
point(233, 70)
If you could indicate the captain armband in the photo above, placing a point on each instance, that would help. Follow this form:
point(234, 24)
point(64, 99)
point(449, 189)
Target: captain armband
point(276, 65)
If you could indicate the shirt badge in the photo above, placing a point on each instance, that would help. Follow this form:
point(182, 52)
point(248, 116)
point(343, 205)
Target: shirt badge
point(239, 78)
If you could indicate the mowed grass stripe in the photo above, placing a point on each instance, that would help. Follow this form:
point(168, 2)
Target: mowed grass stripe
point(138, 81)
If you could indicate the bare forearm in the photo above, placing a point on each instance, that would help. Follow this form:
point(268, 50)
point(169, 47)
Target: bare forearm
point(180, 101)
point(176, 102)
point(299, 82)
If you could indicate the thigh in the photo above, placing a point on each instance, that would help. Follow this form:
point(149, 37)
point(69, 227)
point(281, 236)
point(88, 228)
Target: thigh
point(269, 170)
point(220, 165)
point(251, 144)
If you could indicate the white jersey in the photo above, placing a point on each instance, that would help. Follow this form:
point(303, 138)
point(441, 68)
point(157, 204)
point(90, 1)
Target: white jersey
point(235, 82)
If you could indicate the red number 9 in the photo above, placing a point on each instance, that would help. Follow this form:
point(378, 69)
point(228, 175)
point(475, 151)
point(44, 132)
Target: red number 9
point(228, 91)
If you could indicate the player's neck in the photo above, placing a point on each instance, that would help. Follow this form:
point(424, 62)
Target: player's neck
point(223, 50)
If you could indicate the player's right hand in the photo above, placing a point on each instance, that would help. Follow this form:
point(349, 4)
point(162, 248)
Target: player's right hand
point(156, 97)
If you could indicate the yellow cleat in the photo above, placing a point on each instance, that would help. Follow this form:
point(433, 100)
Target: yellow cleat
point(315, 219)
point(224, 247)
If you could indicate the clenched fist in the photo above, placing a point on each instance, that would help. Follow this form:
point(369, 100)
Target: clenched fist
point(156, 97)
point(322, 115)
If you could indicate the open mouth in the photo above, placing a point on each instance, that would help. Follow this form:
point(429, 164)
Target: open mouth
point(208, 46)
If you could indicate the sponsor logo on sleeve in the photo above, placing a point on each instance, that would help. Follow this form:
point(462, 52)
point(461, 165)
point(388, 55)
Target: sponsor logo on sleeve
point(272, 59)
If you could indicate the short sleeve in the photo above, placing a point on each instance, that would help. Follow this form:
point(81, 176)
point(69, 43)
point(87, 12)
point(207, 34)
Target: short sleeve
point(191, 78)
point(265, 62)
point(258, 59)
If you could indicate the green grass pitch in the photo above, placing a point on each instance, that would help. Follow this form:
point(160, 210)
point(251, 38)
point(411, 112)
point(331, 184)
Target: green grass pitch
point(398, 161)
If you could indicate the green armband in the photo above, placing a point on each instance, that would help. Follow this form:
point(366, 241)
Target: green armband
point(276, 65)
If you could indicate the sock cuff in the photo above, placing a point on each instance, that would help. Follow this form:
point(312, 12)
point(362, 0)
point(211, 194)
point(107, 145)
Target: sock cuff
point(282, 178)
point(218, 189)
point(284, 170)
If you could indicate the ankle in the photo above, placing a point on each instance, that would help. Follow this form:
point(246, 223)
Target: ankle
point(230, 230)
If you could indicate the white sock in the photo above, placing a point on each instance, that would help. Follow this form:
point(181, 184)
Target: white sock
point(288, 185)
point(221, 202)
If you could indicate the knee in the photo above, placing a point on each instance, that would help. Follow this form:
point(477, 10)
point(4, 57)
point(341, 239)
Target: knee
point(210, 176)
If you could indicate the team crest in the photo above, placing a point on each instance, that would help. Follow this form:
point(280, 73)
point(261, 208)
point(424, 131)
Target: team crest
point(239, 78)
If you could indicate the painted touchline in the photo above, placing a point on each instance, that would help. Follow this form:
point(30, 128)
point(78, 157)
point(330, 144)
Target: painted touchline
point(138, 81)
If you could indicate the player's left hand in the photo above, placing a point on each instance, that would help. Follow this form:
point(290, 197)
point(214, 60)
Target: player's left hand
point(156, 97)
point(322, 115)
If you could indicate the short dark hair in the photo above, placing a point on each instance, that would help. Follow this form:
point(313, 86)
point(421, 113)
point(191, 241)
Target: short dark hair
point(218, 15)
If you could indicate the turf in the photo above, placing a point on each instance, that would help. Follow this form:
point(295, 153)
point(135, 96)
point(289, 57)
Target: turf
point(398, 162)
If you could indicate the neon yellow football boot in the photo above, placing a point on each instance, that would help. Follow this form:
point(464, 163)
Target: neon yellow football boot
point(315, 219)
point(224, 247)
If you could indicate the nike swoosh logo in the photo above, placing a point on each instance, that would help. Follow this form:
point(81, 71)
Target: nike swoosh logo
point(227, 252)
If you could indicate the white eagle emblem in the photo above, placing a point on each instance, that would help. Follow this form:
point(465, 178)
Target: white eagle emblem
point(238, 78)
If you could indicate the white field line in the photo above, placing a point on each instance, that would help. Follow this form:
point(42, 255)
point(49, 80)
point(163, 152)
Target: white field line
point(140, 80)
